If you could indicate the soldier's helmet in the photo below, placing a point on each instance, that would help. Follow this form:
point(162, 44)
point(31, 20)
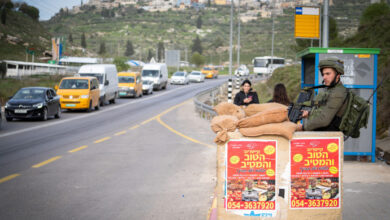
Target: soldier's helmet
point(334, 63)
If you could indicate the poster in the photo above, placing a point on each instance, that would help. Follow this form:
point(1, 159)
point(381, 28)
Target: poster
point(315, 173)
point(250, 177)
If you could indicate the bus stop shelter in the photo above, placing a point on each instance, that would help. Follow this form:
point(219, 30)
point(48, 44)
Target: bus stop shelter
point(360, 67)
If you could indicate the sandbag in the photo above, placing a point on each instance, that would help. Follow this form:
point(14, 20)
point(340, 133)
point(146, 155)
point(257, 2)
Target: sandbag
point(273, 115)
point(221, 137)
point(225, 108)
point(256, 108)
point(224, 123)
point(285, 129)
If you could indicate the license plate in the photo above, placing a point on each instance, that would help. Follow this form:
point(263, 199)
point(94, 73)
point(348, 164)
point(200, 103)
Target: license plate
point(122, 93)
point(21, 111)
point(70, 105)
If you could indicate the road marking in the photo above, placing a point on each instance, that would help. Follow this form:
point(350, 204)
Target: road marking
point(134, 127)
point(46, 162)
point(120, 133)
point(96, 112)
point(78, 149)
point(10, 177)
point(180, 134)
point(101, 140)
point(148, 120)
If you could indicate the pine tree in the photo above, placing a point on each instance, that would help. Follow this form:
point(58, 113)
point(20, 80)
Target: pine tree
point(129, 49)
point(102, 49)
point(161, 51)
point(150, 55)
point(70, 38)
point(83, 41)
point(197, 45)
point(4, 16)
point(199, 22)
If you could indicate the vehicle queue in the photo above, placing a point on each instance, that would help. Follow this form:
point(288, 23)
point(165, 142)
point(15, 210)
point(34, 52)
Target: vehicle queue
point(93, 87)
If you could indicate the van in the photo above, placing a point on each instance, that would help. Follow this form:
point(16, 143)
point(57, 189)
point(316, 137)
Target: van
point(130, 84)
point(107, 77)
point(79, 93)
point(157, 73)
point(210, 72)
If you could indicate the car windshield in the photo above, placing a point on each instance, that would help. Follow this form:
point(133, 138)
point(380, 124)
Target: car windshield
point(206, 68)
point(195, 73)
point(149, 73)
point(74, 84)
point(30, 94)
point(178, 74)
point(260, 63)
point(97, 75)
point(126, 79)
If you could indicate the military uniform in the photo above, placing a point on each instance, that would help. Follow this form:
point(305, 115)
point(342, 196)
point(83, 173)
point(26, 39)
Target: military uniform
point(329, 108)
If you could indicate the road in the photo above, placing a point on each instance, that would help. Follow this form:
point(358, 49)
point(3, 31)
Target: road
point(136, 159)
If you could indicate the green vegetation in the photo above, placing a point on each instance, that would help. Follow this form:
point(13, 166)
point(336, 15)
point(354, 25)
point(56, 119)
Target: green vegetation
point(197, 59)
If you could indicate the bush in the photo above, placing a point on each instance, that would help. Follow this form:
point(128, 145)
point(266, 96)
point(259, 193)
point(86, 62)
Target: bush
point(120, 63)
point(197, 59)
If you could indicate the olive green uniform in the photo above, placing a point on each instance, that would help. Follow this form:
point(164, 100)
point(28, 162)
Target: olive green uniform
point(326, 114)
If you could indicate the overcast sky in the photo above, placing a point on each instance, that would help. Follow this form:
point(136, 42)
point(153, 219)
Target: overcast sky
point(47, 8)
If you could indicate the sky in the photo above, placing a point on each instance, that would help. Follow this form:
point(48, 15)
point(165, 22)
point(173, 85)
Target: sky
point(47, 8)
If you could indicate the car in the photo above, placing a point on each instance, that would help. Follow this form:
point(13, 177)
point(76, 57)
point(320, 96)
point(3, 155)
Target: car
point(158, 73)
point(210, 72)
point(79, 93)
point(33, 102)
point(147, 87)
point(196, 76)
point(130, 84)
point(180, 77)
point(242, 70)
point(1, 117)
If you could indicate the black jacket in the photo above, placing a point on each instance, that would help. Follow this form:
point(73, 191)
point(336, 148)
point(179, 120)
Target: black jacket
point(239, 98)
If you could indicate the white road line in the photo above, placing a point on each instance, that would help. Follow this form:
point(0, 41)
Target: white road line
point(92, 113)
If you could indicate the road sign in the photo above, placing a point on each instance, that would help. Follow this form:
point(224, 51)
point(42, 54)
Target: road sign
point(307, 22)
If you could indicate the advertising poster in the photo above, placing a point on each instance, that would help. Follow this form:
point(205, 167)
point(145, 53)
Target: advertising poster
point(315, 173)
point(250, 177)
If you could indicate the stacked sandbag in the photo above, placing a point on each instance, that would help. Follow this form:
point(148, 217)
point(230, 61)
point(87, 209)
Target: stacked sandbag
point(256, 108)
point(275, 114)
point(225, 108)
point(285, 129)
point(222, 124)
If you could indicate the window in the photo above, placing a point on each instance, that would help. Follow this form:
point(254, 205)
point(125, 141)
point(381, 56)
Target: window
point(74, 84)
point(126, 79)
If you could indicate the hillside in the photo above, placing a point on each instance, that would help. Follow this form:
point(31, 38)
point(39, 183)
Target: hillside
point(177, 29)
point(19, 33)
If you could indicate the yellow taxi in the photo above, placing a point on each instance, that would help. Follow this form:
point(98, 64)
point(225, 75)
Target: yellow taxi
point(79, 93)
point(210, 72)
point(129, 84)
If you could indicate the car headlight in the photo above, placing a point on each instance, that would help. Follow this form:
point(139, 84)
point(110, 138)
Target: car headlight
point(6, 105)
point(39, 105)
point(84, 96)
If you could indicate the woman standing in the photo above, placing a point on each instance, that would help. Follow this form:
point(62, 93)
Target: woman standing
point(246, 96)
point(280, 95)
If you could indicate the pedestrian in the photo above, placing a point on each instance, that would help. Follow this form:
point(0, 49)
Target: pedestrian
point(280, 95)
point(247, 95)
point(331, 103)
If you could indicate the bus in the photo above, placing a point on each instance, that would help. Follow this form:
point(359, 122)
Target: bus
point(264, 66)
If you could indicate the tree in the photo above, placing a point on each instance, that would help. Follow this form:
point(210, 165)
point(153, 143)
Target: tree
point(218, 42)
point(374, 11)
point(120, 63)
point(83, 42)
point(31, 11)
point(197, 59)
point(4, 16)
point(3, 69)
point(199, 22)
point(70, 38)
point(161, 51)
point(129, 49)
point(209, 3)
point(197, 45)
point(102, 49)
point(150, 55)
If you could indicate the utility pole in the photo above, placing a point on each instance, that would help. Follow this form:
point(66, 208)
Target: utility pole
point(238, 48)
point(273, 35)
point(326, 24)
point(230, 53)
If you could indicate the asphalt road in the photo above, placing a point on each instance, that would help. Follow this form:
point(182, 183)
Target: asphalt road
point(121, 162)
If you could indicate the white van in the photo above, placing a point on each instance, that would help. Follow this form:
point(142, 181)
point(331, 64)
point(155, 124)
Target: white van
point(108, 80)
point(156, 72)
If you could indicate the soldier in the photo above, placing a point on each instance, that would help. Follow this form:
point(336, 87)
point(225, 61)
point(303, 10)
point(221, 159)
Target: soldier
point(331, 103)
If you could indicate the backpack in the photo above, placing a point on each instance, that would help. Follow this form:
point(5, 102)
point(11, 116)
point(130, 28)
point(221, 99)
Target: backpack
point(356, 115)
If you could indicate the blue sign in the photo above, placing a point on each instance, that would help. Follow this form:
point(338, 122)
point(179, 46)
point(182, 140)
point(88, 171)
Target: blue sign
point(298, 10)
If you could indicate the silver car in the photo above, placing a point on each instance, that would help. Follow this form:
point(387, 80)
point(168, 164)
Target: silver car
point(147, 87)
point(196, 76)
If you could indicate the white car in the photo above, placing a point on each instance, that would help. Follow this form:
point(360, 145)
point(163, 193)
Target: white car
point(180, 77)
point(242, 71)
point(196, 76)
point(147, 87)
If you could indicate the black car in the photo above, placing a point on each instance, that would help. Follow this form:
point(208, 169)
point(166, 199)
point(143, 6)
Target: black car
point(33, 102)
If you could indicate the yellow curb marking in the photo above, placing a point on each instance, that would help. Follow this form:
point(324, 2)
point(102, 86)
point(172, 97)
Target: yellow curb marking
point(120, 133)
point(10, 177)
point(147, 121)
point(78, 149)
point(46, 162)
point(101, 140)
point(134, 127)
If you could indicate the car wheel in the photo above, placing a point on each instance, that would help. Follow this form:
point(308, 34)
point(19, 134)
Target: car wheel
point(97, 107)
point(90, 106)
point(102, 101)
point(112, 101)
point(9, 118)
point(44, 116)
point(58, 115)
